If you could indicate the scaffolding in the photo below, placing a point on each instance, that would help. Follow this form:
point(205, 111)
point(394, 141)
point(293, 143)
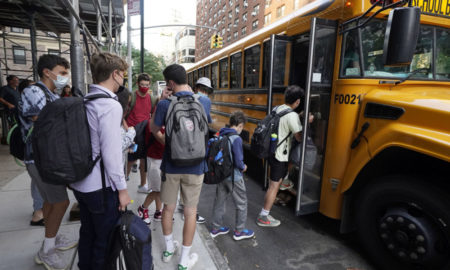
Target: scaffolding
point(93, 25)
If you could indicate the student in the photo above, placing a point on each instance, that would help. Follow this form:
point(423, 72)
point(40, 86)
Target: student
point(53, 72)
point(289, 124)
point(99, 209)
point(66, 91)
point(234, 186)
point(203, 87)
point(154, 159)
point(140, 112)
point(188, 178)
point(128, 133)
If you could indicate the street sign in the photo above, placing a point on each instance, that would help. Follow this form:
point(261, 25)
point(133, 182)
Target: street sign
point(133, 7)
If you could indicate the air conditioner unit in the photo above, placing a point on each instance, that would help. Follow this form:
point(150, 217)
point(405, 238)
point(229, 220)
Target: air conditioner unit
point(254, 13)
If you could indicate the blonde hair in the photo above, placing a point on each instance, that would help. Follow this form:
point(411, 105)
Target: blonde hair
point(103, 64)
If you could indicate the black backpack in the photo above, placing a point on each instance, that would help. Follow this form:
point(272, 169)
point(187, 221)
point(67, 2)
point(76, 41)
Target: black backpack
point(130, 245)
point(61, 141)
point(219, 159)
point(262, 145)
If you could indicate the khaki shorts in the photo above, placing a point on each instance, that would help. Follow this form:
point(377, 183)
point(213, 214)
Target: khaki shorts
point(191, 186)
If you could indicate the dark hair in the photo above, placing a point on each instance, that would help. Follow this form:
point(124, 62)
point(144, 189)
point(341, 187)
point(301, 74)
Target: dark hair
point(292, 93)
point(144, 77)
point(103, 64)
point(11, 77)
point(124, 97)
point(50, 61)
point(203, 88)
point(236, 118)
point(63, 93)
point(23, 84)
point(175, 73)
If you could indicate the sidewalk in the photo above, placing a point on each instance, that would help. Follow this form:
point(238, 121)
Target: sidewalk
point(19, 242)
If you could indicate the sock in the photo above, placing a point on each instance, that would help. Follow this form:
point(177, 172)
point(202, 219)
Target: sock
point(264, 212)
point(169, 243)
point(185, 255)
point(49, 243)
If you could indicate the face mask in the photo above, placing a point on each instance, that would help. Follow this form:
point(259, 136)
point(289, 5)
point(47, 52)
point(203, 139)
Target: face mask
point(120, 84)
point(60, 81)
point(143, 90)
point(121, 88)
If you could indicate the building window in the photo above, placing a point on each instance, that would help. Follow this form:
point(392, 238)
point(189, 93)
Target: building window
point(237, 9)
point(54, 52)
point(191, 51)
point(235, 35)
point(224, 8)
point(244, 31)
point(280, 11)
point(255, 25)
point(230, 15)
point(19, 55)
point(16, 29)
point(215, 16)
point(236, 22)
point(229, 37)
point(255, 10)
point(268, 2)
point(267, 18)
point(192, 32)
point(245, 3)
point(296, 4)
point(231, 3)
point(223, 32)
point(244, 17)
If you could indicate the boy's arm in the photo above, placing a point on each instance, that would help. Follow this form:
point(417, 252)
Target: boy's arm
point(238, 155)
point(157, 121)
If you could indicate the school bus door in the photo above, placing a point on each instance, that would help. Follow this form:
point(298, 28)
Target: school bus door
point(322, 45)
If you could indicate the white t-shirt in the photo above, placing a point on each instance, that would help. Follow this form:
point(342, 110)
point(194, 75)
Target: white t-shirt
point(288, 123)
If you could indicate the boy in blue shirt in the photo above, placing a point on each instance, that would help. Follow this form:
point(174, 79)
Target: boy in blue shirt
point(238, 191)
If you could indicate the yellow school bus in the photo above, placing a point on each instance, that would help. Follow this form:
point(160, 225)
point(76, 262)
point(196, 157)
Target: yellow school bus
point(381, 134)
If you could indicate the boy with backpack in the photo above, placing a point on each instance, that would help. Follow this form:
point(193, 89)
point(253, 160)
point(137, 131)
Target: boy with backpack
point(185, 118)
point(233, 184)
point(103, 193)
point(289, 126)
point(54, 74)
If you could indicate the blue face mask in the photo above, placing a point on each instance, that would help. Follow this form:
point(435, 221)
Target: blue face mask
point(60, 81)
point(201, 94)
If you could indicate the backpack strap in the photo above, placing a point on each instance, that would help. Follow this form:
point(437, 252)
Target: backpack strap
point(44, 90)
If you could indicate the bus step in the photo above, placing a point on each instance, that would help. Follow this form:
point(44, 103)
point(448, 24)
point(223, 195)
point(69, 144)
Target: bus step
point(307, 206)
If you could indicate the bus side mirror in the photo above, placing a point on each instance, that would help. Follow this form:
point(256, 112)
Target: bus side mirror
point(402, 32)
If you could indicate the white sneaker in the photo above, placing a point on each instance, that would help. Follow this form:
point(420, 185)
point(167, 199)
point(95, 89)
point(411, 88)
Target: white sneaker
point(143, 189)
point(192, 260)
point(64, 243)
point(167, 256)
point(51, 260)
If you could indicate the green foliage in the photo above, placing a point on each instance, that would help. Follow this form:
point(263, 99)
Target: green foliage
point(153, 65)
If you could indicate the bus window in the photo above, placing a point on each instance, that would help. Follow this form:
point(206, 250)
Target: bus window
point(251, 67)
point(279, 63)
point(442, 54)
point(223, 78)
point(207, 73)
point(236, 70)
point(373, 41)
point(190, 79)
point(350, 64)
point(215, 75)
point(324, 58)
point(201, 72)
point(195, 76)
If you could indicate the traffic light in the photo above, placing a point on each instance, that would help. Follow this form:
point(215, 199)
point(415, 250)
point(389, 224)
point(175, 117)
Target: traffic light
point(216, 41)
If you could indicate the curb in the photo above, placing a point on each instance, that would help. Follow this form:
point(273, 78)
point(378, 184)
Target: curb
point(219, 260)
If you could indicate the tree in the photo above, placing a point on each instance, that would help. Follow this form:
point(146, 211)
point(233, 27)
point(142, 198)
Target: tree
point(153, 65)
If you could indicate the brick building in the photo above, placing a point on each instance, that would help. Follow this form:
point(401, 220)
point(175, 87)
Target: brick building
point(234, 19)
point(277, 9)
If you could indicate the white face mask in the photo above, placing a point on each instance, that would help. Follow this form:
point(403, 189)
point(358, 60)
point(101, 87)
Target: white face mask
point(60, 81)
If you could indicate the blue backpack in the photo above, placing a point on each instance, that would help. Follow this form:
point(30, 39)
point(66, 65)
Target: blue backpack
point(130, 245)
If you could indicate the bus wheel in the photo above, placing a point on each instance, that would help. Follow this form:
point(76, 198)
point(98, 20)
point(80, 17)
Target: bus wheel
point(404, 223)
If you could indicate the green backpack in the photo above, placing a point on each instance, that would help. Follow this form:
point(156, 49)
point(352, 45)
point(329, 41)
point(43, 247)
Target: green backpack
point(153, 99)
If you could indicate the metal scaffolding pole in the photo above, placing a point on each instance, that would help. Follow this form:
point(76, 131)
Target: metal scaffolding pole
point(99, 23)
point(110, 43)
point(33, 46)
point(142, 37)
point(76, 51)
point(130, 69)
point(4, 51)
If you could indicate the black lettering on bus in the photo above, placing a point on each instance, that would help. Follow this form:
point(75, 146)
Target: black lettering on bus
point(447, 9)
point(359, 99)
point(341, 99)
point(347, 99)
point(336, 98)
point(353, 99)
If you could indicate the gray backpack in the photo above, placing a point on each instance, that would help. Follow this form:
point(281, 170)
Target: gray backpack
point(186, 130)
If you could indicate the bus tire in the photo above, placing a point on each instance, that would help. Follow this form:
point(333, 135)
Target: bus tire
point(404, 223)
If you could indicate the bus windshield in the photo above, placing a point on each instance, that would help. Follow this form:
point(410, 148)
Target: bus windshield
point(433, 65)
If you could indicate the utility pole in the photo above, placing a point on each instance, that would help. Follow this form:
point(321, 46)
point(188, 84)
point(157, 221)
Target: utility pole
point(130, 69)
point(76, 51)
